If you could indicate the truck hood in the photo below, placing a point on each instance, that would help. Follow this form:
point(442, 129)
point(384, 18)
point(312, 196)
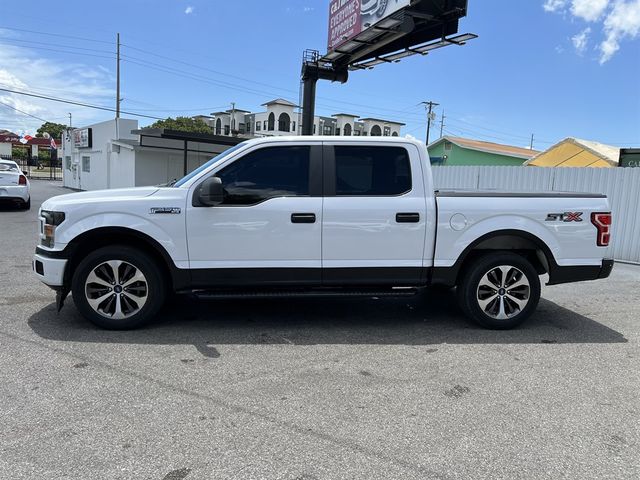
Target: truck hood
point(61, 202)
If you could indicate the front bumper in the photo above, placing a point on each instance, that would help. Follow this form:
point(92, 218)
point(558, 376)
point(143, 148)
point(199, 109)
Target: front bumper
point(560, 275)
point(49, 270)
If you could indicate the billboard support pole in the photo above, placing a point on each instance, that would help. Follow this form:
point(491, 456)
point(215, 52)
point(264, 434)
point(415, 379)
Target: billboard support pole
point(312, 71)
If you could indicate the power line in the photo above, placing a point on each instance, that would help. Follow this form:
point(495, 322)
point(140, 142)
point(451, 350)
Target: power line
point(23, 112)
point(56, 35)
point(60, 51)
point(80, 104)
point(49, 44)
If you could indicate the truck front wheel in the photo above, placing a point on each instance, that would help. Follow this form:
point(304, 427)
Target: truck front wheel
point(499, 291)
point(118, 288)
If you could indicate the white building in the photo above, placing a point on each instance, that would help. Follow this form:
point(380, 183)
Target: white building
point(115, 154)
point(281, 118)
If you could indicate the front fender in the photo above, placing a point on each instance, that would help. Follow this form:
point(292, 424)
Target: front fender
point(166, 230)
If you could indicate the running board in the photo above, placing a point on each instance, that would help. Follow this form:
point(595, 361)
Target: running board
point(308, 293)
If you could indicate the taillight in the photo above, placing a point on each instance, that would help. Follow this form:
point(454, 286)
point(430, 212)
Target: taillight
point(22, 180)
point(602, 221)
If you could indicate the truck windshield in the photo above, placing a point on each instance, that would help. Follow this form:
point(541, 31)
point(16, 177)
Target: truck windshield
point(202, 168)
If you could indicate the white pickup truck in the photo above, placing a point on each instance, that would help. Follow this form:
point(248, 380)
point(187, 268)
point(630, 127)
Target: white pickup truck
point(316, 216)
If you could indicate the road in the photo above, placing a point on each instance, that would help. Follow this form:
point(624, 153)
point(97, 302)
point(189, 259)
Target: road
point(316, 389)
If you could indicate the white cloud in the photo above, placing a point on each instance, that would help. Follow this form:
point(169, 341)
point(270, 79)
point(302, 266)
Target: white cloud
point(22, 69)
point(589, 10)
point(554, 5)
point(622, 22)
point(581, 40)
point(189, 10)
point(619, 19)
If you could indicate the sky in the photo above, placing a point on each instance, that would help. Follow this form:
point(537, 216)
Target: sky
point(551, 68)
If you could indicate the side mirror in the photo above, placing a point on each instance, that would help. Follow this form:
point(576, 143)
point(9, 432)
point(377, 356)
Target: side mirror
point(210, 193)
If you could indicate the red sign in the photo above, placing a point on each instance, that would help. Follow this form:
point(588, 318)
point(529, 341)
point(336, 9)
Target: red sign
point(344, 21)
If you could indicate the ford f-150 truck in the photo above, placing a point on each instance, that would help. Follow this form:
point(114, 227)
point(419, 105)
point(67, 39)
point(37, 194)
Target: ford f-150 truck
point(316, 216)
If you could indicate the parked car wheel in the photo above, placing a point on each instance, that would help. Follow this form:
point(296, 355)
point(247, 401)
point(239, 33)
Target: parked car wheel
point(118, 288)
point(500, 290)
point(27, 205)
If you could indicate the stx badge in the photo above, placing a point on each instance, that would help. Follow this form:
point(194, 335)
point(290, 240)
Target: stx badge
point(565, 217)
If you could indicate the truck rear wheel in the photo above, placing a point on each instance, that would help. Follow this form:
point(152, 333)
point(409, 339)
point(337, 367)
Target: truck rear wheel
point(118, 288)
point(499, 291)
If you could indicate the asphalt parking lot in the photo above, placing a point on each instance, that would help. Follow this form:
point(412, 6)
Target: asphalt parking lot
point(316, 389)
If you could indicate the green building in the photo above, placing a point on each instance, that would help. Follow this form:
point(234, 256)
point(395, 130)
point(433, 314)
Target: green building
point(463, 151)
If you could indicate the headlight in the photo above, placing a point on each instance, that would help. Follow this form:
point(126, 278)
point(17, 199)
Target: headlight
point(48, 223)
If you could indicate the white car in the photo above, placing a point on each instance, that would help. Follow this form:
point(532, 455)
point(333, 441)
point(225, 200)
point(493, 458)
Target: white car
point(14, 185)
point(317, 216)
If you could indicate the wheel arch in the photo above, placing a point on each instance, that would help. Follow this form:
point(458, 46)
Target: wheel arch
point(100, 237)
point(524, 243)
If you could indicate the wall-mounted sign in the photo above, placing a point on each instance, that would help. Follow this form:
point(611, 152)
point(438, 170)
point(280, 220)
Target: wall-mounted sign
point(349, 18)
point(82, 138)
point(630, 157)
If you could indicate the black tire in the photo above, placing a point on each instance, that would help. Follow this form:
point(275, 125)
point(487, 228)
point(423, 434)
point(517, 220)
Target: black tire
point(136, 304)
point(27, 205)
point(483, 286)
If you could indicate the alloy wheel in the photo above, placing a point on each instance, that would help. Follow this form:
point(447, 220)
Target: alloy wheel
point(503, 292)
point(116, 289)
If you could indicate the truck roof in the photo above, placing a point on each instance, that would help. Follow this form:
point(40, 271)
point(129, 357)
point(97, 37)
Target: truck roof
point(333, 138)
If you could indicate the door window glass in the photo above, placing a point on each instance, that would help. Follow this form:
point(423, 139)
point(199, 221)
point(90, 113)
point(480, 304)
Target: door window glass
point(267, 173)
point(372, 171)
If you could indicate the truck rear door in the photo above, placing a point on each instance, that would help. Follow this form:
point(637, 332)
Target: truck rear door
point(374, 214)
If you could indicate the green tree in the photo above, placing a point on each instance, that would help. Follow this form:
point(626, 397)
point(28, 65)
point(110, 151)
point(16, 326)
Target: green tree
point(183, 124)
point(53, 129)
point(18, 153)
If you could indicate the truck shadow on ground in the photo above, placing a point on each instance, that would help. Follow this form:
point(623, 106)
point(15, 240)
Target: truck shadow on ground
point(428, 319)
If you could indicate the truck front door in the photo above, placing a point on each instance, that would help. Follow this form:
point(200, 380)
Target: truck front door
point(268, 229)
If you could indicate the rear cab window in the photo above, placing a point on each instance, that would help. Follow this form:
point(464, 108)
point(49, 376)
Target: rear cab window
point(371, 170)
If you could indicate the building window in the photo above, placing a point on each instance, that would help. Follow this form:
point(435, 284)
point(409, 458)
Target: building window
point(447, 146)
point(372, 171)
point(67, 163)
point(218, 127)
point(264, 125)
point(327, 130)
point(267, 173)
point(356, 133)
point(387, 131)
point(86, 164)
point(394, 134)
point(347, 130)
point(248, 126)
point(338, 131)
point(314, 128)
point(272, 122)
point(227, 130)
point(284, 122)
point(293, 128)
point(376, 131)
point(258, 126)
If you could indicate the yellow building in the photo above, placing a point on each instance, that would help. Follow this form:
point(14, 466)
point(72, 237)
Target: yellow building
point(573, 152)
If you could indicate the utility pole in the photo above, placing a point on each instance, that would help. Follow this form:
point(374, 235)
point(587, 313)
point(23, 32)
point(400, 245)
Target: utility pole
point(118, 75)
point(233, 118)
point(442, 123)
point(429, 106)
point(531, 146)
point(69, 119)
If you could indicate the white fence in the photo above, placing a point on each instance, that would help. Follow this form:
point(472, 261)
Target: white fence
point(621, 185)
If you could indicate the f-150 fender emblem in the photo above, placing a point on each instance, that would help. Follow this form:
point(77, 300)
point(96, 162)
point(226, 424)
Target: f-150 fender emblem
point(565, 217)
point(165, 210)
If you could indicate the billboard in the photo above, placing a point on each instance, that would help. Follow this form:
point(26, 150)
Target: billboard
point(349, 18)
